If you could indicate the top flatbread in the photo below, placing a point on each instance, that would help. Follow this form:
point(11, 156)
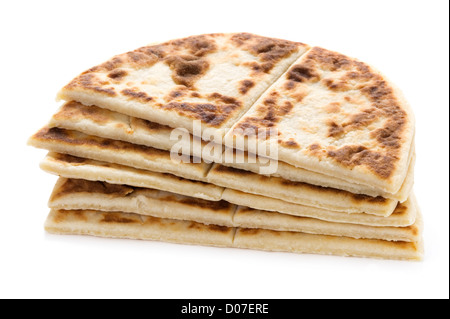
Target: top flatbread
point(337, 116)
point(213, 78)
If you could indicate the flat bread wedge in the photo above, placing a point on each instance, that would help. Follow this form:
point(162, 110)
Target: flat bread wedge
point(132, 226)
point(402, 216)
point(117, 152)
point(142, 157)
point(96, 121)
point(82, 168)
point(77, 194)
point(300, 193)
point(213, 78)
point(79, 168)
point(334, 115)
point(93, 120)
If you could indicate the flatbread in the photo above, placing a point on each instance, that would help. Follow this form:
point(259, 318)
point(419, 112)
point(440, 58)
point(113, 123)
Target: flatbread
point(77, 194)
point(71, 194)
point(80, 168)
point(402, 215)
point(132, 226)
point(213, 78)
point(142, 157)
point(117, 152)
point(93, 120)
point(337, 116)
point(300, 193)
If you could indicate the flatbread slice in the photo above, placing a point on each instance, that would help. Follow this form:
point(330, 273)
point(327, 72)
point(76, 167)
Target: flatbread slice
point(132, 226)
point(77, 194)
point(300, 193)
point(213, 78)
point(117, 152)
point(93, 120)
point(82, 168)
point(402, 216)
point(337, 116)
point(73, 167)
point(142, 157)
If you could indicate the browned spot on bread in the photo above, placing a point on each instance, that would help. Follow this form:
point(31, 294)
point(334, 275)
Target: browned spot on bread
point(268, 50)
point(117, 74)
point(217, 228)
point(269, 113)
point(69, 158)
point(354, 155)
point(187, 69)
point(245, 86)
point(175, 94)
point(151, 126)
point(302, 74)
point(290, 143)
point(117, 218)
point(363, 119)
point(136, 94)
point(71, 186)
point(334, 129)
point(211, 114)
point(195, 94)
point(338, 86)
point(203, 227)
point(370, 199)
point(74, 110)
point(90, 82)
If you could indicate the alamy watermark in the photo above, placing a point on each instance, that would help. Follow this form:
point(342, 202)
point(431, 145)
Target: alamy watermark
point(208, 146)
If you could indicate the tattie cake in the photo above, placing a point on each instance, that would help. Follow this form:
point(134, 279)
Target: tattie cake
point(236, 140)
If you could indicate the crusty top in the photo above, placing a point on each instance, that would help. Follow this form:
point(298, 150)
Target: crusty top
point(213, 78)
point(337, 110)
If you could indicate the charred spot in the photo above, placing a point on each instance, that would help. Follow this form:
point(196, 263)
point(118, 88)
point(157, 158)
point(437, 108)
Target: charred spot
point(300, 74)
point(245, 86)
point(117, 74)
point(200, 46)
point(134, 93)
point(186, 69)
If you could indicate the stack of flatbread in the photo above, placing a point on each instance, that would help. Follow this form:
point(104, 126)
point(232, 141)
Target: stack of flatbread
point(236, 140)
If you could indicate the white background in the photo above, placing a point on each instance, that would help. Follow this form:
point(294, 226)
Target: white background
point(44, 44)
